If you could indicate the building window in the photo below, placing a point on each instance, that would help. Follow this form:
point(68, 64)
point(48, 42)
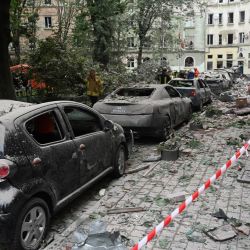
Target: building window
point(249, 64)
point(163, 61)
point(209, 65)
point(210, 39)
point(48, 2)
point(220, 39)
point(248, 55)
point(210, 56)
point(230, 38)
point(48, 22)
point(220, 18)
point(146, 59)
point(230, 17)
point(241, 55)
point(219, 56)
point(242, 16)
point(189, 62)
point(241, 37)
point(210, 18)
point(130, 62)
point(220, 1)
point(219, 64)
point(231, 0)
point(131, 42)
point(147, 42)
point(229, 56)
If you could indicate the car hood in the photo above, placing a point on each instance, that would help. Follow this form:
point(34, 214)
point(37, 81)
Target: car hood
point(124, 105)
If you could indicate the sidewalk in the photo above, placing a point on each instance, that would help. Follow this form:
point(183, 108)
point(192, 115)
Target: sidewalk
point(203, 153)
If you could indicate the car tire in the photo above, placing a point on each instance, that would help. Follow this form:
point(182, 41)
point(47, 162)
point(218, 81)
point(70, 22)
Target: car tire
point(165, 130)
point(32, 223)
point(120, 162)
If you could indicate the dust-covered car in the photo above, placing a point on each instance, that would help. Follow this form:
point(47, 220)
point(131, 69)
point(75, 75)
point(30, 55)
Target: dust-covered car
point(49, 154)
point(196, 89)
point(147, 109)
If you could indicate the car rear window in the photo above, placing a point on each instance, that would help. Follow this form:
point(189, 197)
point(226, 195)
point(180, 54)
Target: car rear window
point(133, 92)
point(2, 135)
point(181, 83)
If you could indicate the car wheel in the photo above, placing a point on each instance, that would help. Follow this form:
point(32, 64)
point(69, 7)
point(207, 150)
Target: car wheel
point(165, 131)
point(32, 225)
point(120, 161)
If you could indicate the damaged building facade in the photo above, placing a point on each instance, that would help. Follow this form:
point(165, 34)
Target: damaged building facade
point(228, 34)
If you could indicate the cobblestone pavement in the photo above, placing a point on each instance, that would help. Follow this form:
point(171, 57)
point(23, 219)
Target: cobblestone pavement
point(203, 152)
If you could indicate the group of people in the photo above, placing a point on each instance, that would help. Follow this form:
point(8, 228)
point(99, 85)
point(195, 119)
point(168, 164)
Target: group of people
point(166, 75)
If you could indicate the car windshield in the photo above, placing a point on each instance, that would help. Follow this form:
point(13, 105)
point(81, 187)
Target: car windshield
point(2, 135)
point(135, 92)
point(181, 83)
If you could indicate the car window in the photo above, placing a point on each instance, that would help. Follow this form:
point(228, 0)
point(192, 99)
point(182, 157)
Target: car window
point(181, 83)
point(44, 128)
point(2, 136)
point(172, 92)
point(82, 122)
point(134, 92)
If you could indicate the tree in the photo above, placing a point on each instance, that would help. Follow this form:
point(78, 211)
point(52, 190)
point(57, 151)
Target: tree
point(6, 86)
point(23, 19)
point(145, 15)
point(103, 17)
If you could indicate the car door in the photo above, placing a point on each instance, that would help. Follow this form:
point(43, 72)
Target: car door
point(177, 105)
point(207, 91)
point(50, 150)
point(94, 147)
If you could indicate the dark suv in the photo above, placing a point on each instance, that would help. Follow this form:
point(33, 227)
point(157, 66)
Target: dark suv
point(49, 153)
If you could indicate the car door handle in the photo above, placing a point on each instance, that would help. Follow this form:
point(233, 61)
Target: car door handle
point(82, 147)
point(36, 161)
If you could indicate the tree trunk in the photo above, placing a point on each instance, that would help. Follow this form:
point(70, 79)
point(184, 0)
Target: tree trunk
point(139, 59)
point(6, 87)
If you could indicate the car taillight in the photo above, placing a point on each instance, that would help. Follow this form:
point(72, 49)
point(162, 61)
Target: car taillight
point(193, 93)
point(6, 168)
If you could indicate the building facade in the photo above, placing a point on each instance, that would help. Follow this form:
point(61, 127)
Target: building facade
point(228, 34)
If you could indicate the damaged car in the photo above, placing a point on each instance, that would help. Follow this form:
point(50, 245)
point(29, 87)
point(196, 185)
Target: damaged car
point(196, 89)
point(148, 109)
point(49, 154)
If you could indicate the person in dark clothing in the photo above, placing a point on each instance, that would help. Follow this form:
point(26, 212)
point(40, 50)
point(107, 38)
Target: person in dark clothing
point(164, 77)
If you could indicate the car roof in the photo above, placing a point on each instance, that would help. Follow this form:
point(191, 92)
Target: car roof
point(182, 79)
point(24, 107)
point(145, 85)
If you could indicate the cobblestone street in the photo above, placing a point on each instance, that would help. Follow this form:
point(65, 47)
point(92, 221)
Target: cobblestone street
point(197, 163)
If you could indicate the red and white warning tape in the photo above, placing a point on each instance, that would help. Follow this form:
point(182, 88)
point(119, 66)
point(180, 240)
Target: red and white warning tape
point(157, 230)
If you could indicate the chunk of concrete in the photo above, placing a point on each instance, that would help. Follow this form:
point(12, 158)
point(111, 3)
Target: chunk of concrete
point(222, 233)
point(245, 177)
point(243, 229)
point(177, 197)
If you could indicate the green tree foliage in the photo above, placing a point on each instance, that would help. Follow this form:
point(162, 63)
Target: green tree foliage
point(103, 17)
point(6, 86)
point(23, 19)
point(60, 67)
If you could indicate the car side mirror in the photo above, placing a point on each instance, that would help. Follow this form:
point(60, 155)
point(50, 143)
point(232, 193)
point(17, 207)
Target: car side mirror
point(108, 125)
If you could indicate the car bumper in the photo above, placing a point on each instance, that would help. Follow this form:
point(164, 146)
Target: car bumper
point(5, 228)
point(147, 123)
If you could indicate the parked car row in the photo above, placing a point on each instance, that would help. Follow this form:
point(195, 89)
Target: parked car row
point(49, 154)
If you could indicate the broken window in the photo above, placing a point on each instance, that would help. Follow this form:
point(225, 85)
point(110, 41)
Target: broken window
point(172, 92)
point(44, 128)
point(82, 122)
point(135, 92)
point(181, 83)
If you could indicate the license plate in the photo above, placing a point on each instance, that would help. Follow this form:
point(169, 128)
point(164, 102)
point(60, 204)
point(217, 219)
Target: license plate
point(118, 110)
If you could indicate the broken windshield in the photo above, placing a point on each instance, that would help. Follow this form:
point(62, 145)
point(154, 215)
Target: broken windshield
point(135, 92)
point(181, 83)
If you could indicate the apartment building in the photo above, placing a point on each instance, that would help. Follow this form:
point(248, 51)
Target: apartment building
point(228, 34)
point(181, 47)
